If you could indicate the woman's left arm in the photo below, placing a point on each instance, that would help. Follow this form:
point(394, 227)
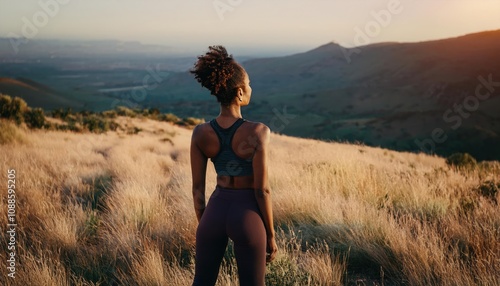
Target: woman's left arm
point(198, 173)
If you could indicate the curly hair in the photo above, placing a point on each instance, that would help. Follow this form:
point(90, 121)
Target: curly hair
point(220, 73)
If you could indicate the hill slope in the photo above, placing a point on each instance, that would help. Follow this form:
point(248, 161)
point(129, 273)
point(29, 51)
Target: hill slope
point(35, 94)
point(387, 94)
point(404, 96)
point(117, 208)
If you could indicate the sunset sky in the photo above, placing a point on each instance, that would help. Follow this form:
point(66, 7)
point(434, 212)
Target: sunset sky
point(249, 26)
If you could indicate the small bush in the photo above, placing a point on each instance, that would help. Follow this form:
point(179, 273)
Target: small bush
point(169, 117)
point(461, 160)
point(34, 118)
point(18, 108)
point(5, 103)
point(125, 111)
point(12, 108)
point(191, 121)
point(74, 127)
point(284, 271)
point(144, 112)
point(86, 113)
point(96, 124)
point(61, 113)
point(110, 113)
point(154, 111)
point(50, 126)
point(113, 125)
point(134, 130)
point(71, 126)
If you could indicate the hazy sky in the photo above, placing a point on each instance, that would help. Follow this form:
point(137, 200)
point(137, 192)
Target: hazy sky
point(248, 26)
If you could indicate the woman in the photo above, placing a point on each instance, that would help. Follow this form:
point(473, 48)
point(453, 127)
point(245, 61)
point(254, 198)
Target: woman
point(240, 206)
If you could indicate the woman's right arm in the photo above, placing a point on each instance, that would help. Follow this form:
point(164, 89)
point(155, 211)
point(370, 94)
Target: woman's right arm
point(198, 173)
point(261, 187)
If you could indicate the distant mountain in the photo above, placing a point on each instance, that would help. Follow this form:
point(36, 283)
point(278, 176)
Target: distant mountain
point(405, 96)
point(393, 95)
point(36, 48)
point(36, 94)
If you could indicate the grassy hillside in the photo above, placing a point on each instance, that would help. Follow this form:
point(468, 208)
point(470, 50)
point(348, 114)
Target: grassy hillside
point(115, 209)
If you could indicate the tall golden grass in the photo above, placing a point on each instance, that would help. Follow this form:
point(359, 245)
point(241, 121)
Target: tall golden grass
point(116, 209)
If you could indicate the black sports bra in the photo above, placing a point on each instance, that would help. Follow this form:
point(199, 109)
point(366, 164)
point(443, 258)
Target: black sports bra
point(226, 162)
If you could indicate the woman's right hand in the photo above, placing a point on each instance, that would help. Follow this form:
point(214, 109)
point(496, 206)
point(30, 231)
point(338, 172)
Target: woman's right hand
point(272, 249)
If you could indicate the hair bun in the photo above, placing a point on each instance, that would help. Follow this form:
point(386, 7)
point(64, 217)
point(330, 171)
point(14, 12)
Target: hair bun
point(215, 70)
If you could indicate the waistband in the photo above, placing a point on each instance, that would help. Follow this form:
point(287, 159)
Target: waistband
point(233, 194)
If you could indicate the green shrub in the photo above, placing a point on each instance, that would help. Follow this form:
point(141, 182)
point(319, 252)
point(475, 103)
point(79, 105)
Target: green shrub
point(143, 112)
point(169, 117)
point(34, 117)
point(73, 127)
point(86, 112)
point(61, 113)
point(113, 125)
point(17, 109)
point(12, 108)
point(125, 111)
point(134, 130)
point(96, 124)
point(5, 102)
point(284, 271)
point(50, 126)
point(191, 121)
point(154, 111)
point(110, 113)
point(461, 160)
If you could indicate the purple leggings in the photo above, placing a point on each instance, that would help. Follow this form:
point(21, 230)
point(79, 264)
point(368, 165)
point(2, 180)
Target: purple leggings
point(234, 214)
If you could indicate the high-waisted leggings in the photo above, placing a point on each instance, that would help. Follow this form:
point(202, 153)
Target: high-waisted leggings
point(234, 214)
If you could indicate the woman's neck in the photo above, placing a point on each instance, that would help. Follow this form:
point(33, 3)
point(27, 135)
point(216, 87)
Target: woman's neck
point(230, 111)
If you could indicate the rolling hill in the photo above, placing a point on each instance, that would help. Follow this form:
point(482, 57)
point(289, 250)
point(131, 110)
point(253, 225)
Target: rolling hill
point(393, 94)
point(117, 209)
point(405, 96)
point(36, 94)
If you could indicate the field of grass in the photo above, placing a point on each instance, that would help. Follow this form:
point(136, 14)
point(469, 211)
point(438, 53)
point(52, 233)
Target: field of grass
point(116, 209)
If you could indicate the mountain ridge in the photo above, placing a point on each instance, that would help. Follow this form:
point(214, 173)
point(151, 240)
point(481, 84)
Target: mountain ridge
point(388, 94)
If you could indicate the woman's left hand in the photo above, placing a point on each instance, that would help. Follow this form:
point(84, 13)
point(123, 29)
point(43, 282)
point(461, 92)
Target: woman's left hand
point(272, 249)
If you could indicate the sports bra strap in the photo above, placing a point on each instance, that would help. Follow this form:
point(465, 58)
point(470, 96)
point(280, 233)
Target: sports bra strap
point(226, 134)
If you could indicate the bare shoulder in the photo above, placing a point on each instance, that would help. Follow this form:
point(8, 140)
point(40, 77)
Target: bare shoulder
point(200, 129)
point(202, 126)
point(259, 129)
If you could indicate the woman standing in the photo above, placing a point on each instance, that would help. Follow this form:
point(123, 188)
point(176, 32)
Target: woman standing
point(240, 207)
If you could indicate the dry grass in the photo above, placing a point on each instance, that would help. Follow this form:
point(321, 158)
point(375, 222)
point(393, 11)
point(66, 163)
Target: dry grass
point(116, 209)
point(11, 134)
